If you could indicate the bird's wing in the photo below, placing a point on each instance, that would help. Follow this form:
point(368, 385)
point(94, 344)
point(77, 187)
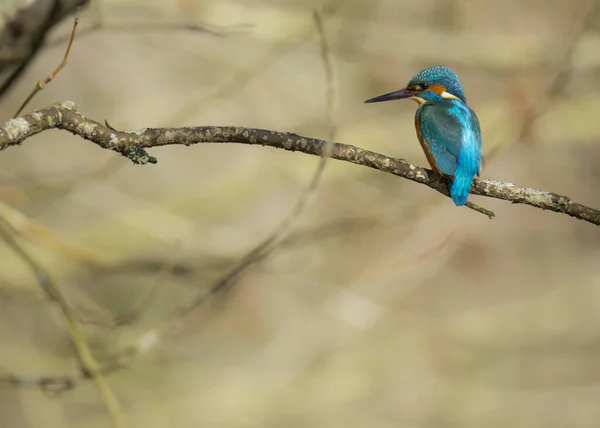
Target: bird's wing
point(444, 129)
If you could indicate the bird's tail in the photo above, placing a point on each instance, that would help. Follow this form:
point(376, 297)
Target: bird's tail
point(469, 164)
point(460, 187)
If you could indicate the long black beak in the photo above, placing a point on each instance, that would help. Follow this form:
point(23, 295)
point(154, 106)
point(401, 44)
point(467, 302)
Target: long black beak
point(396, 95)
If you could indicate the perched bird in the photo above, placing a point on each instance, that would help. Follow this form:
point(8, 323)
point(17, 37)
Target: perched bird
point(446, 127)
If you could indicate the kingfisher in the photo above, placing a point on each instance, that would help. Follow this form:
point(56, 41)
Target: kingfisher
point(447, 128)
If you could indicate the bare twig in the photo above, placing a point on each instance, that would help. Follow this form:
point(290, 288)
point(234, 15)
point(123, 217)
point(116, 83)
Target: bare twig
point(87, 362)
point(42, 83)
point(133, 144)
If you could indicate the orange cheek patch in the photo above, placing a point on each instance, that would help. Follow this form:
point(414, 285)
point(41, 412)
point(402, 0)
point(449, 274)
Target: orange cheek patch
point(438, 89)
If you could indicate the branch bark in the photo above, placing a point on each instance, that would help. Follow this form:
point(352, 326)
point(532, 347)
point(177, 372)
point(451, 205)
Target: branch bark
point(133, 146)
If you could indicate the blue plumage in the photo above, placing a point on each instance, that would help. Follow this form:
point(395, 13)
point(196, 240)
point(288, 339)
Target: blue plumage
point(447, 128)
point(450, 131)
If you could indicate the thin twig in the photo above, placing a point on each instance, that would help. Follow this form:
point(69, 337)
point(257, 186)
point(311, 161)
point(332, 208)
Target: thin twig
point(42, 83)
point(132, 145)
point(85, 356)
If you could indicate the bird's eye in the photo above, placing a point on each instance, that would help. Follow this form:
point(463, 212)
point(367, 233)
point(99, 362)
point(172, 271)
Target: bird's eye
point(423, 86)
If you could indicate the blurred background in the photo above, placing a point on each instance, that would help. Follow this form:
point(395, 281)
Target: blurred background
point(386, 305)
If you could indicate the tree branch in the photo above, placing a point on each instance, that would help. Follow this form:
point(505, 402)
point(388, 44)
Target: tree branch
point(132, 145)
point(87, 361)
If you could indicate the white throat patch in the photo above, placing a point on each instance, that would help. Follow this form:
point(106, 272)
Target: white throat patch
point(449, 96)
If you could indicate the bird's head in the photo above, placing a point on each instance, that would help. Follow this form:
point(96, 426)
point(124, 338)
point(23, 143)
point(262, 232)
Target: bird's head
point(428, 85)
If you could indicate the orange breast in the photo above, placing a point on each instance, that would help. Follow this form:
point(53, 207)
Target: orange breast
point(425, 146)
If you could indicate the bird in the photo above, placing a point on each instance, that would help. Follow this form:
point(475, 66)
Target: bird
point(447, 128)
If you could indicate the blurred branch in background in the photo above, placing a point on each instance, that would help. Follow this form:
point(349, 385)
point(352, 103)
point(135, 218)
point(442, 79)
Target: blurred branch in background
point(23, 31)
point(132, 145)
point(87, 362)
